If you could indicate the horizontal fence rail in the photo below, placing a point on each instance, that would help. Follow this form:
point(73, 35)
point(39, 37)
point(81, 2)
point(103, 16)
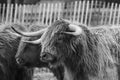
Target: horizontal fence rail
point(91, 13)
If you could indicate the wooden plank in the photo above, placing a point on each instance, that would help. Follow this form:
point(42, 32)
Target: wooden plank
point(47, 13)
point(7, 13)
point(23, 13)
point(19, 13)
point(15, 14)
point(71, 11)
point(86, 15)
point(75, 11)
point(79, 9)
point(118, 20)
point(27, 11)
point(107, 13)
point(55, 12)
point(59, 10)
point(34, 16)
point(63, 10)
point(111, 11)
point(43, 13)
point(65, 14)
point(56, 16)
point(40, 10)
point(114, 16)
point(11, 13)
point(3, 13)
point(0, 13)
point(51, 13)
point(29, 14)
point(103, 14)
point(90, 12)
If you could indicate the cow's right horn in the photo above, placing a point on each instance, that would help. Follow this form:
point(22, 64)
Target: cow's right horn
point(29, 34)
point(77, 30)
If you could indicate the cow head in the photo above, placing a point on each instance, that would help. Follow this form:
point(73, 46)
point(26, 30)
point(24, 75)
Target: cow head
point(28, 54)
point(60, 41)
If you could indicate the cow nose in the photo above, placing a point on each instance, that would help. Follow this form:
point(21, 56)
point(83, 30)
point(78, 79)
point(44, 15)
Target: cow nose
point(44, 55)
point(20, 61)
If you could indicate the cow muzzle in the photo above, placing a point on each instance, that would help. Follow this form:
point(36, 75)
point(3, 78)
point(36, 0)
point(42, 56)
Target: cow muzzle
point(20, 61)
point(46, 57)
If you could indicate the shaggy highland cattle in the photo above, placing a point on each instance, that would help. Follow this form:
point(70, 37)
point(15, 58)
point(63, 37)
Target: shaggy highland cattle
point(28, 55)
point(9, 70)
point(85, 53)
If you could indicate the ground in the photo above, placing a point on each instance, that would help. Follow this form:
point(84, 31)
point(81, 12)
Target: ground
point(43, 74)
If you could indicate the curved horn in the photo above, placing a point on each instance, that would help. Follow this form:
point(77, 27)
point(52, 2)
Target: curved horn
point(38, 41)
point(14, 33)
point(77, 30)
point(29, 34)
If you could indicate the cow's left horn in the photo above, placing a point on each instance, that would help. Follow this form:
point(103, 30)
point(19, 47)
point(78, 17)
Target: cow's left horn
point(38, 41)
point(75, 28)
point(29, 34)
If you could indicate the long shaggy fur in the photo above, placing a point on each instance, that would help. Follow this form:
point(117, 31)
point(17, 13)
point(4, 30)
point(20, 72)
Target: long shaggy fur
point(31, 55)
point(84, 57)
point(9, 70)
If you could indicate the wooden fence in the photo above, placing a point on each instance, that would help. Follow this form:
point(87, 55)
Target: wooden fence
point(91, 13)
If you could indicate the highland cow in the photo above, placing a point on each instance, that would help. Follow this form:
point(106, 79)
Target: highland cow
point(28, 54)
point(85, 53)
point(9, 70)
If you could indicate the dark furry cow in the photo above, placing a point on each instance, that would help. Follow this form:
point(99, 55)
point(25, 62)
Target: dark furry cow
point(85, 53)
point(28, 54)
point(9, 70)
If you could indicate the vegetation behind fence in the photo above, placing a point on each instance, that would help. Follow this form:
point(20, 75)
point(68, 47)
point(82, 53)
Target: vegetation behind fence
point(87, 12)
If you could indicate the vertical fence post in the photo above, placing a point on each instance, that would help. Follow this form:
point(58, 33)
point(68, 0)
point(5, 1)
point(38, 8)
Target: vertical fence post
point(75, 11)
point(23, 13)
point(66, 9)
point(59, 10)
point(3, 13)
point(11, 13)
point(47, 13)
point(0, 13)
point(86, 15)
point(15, 14)
point(90, 12)
point(79, 9)
point(7, 13)
point(19, 13)
point(111, 11)
point(114, 16)
point(118, 20)
point(40, 9)
point(51, 14)
point(103, 14)
point(55, 12)
point(71, 11)
point(43, 13)
point(83, 10)
point(107, 13)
